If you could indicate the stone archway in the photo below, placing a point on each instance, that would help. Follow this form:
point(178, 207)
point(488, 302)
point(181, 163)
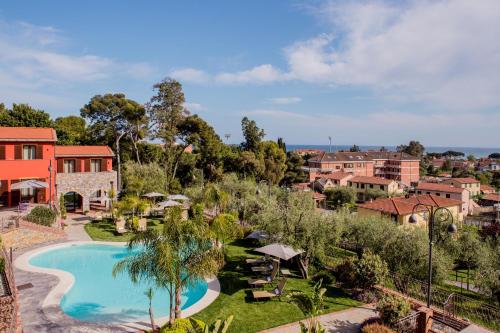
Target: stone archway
point(73, 201)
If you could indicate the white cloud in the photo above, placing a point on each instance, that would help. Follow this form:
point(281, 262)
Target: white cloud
point(445, 53)
point(35, 69)
point(190, 75)
point(259, 74)
point(285, 100)
point(194, 106)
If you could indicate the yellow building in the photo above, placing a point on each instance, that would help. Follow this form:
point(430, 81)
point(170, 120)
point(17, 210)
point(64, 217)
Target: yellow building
point(362, 184)
point(400, 209)
point(471, 184)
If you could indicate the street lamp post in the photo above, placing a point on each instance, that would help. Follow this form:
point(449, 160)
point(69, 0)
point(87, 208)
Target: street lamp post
point(430, 226)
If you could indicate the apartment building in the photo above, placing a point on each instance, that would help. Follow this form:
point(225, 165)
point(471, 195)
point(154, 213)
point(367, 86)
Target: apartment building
point(397, 166)
point(471, 184)
point(447, 191)
point(363, 184)
point(79, 173)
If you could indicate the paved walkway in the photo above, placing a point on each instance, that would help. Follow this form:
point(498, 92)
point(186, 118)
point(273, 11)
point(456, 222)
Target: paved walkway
point(74, 229)
point(346, 321)
point(463, 285)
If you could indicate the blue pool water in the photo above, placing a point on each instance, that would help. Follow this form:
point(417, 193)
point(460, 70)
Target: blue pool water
point(98, 297)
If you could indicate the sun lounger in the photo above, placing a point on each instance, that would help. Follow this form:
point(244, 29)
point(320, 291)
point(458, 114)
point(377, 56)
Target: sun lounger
point(260, 281)
point(264, 294)
point(256, 261)
point(265, 268)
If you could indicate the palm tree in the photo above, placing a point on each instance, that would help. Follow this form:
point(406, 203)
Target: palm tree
point(173, 258)
point(149, 294)
point(311, 306)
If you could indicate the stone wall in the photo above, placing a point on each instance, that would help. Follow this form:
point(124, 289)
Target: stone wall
point(85, 184)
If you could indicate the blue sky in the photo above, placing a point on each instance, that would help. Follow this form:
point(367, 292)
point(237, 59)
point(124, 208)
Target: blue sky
point(367, 72)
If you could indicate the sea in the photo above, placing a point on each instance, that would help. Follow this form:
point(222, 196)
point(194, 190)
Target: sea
point(477, 152)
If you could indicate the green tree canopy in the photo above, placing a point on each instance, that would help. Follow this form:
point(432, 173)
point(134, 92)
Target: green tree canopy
point(252, 133)
point(71, 130)
point(414, 148)
point(23, 115)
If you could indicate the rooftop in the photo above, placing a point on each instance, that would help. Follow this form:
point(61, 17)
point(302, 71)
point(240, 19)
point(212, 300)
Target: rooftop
point(439, 187)
point(404, 206)
point(466, 180)
point(335, 175)
point(28, 134)
point(362, 156)
point(492, 197)
point(80, 151)
point(371, 180)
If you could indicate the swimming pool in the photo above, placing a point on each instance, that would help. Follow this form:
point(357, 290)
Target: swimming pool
point(98, 297)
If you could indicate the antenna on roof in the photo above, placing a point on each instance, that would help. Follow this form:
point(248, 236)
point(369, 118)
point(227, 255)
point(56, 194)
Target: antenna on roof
point(330, 147)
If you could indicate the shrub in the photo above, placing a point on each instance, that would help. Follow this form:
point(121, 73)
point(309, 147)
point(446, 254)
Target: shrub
point(42, 215)
point(392, 308)
point(182, 325)
point(62, 207)
point(369, 321)
point(370, 270)
point(346, 273)
point(376, 328)
point(326, 276)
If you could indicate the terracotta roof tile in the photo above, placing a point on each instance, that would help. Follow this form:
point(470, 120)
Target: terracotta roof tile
point(404, 206)
point(28, 134)
point(439, 187)
point(335, 175)
point(492, 197)
point(371, 180)
point(77, 151)
point(466, 180)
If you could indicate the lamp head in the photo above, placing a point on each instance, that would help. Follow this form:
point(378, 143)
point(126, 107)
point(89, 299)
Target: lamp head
point(452, 228)
point(413, 218)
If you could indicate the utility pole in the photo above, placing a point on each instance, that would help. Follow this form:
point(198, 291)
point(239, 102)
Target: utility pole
point(330, 148)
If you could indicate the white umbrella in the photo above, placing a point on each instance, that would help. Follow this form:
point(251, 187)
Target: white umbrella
point(153, 195)
point(258, 234)
point(279, 250)
point(177, 197)
point(29, 184)
point(168, 203)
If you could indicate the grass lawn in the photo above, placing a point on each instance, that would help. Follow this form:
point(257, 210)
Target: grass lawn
point(251, 316)
point(105, 230)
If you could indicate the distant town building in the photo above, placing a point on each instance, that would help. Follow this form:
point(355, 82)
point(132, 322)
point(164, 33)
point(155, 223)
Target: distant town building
point(400, 209)
point(448, 191)
point(487, 189)
point(469, 183)
point(397, 166)
point(363, 184)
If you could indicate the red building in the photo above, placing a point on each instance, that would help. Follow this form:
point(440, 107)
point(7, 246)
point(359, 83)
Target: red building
point(83, 172)
point(397, 166)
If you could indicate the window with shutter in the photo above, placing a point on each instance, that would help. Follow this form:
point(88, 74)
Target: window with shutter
point(39, 152)
point(18, 152)
point(29, 152)
point(95, 165)
point(60, 166)
point(2, 152)
point(87, 166)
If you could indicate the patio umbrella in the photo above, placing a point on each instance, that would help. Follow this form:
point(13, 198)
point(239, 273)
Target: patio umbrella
point(177, 197)
point(257, 234)
point(29, 184)
point(168, 203)
point(279, 250)
point(153, 195)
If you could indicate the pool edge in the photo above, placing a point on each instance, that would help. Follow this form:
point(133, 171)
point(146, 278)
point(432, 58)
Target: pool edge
point(51, 304)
